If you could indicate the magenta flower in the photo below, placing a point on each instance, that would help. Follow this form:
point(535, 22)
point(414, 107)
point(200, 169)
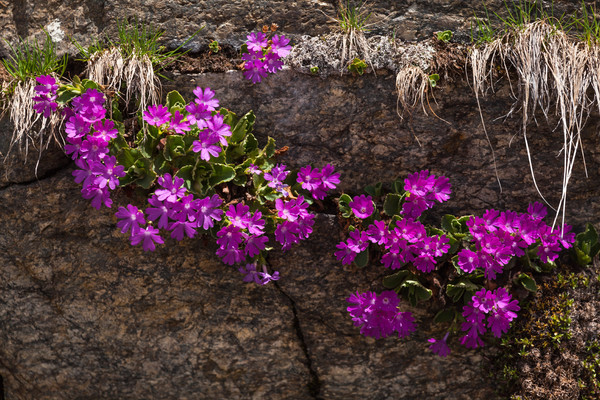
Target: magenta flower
point(272, 63)
point(47, 85)
point(157, 115)
point(345, 254)
point(238, 215)
point(208, 211)
point(229, 237)
point(108, 172)
point(206, 146)
point(230, 255)
point(358, 241)
point(440, 347)
point(131, 218)
point(378, 232)
point(147, 237)
point(378, 315)
point(252, 56)
point(180, 229)
point(105, 130)
point(266, 277)
point(362, 206)
point(468, 260)
point(279, 46)
point(255, 244)
point(206, 97)
point(97, 195)
point(255, 71)
point(287, 233)
point(198, 113)
point(172, 188)
point(309, 178)
point(256, 41)
point(178, 124)
point(329, 179)
point(160, 212)
point(93, 148)
point(218, 129)
point(253, 169)
point(251, 275)
point(45, 105)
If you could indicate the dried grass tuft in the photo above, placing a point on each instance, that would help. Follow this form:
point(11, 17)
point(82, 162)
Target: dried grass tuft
point(555, 72)
point(29, 127)
point(110, 69)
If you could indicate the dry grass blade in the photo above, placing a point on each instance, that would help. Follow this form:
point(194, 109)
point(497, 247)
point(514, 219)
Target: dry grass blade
point(30, 128)
point(554, 71)
point(412, 84)
point(110, 69)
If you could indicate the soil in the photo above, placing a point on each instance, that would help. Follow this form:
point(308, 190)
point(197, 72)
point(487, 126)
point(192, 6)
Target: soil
point(226, 59)
point(449, 61)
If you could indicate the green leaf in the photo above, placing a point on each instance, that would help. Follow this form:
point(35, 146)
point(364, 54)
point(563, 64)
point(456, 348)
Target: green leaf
point(174, 147)
point(447, 223)
point(269, 149)
point(527, 282)
point(374, 190)
point(343, 206)
point(395, 280)
point(398, 186)
point(116, 113)
point(391, 205)
point(222, 173)
point(88, 84)
point(127, 157)
point(417, 290)
point(243, 126)
point(65, 96)
point(445, 315)
point(186, 173)
point(147, 180)
point(362, 258)
point(174, 99)
point(250, 145)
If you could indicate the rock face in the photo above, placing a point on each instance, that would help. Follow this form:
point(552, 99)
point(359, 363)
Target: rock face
point(230, 21)
point(85, 315)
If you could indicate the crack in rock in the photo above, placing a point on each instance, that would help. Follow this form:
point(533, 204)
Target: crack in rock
point(314, 386)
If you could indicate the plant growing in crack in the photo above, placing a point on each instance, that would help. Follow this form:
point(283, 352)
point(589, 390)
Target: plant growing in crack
point(27, 61)
point(130, 65)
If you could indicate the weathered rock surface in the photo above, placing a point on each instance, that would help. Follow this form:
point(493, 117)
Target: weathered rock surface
point(85, 315)
point(230, 21)
point(352, 122)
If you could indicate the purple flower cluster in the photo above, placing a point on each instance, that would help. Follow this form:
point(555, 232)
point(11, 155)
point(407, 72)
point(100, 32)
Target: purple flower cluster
point(88, 135)
point(44, 102)
point(378, 315)
point(499, 236)
point(498, 308)
point(297, 222)
point(318, 182)
point(424, 190)
point(243, 237)
point(264, 56)
point(258, 277)
point(407, 242)
point(174, 209)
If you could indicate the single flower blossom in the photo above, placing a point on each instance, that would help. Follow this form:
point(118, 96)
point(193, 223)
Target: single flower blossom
point(157, 115)
point(362, 206)
point(148, 237)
